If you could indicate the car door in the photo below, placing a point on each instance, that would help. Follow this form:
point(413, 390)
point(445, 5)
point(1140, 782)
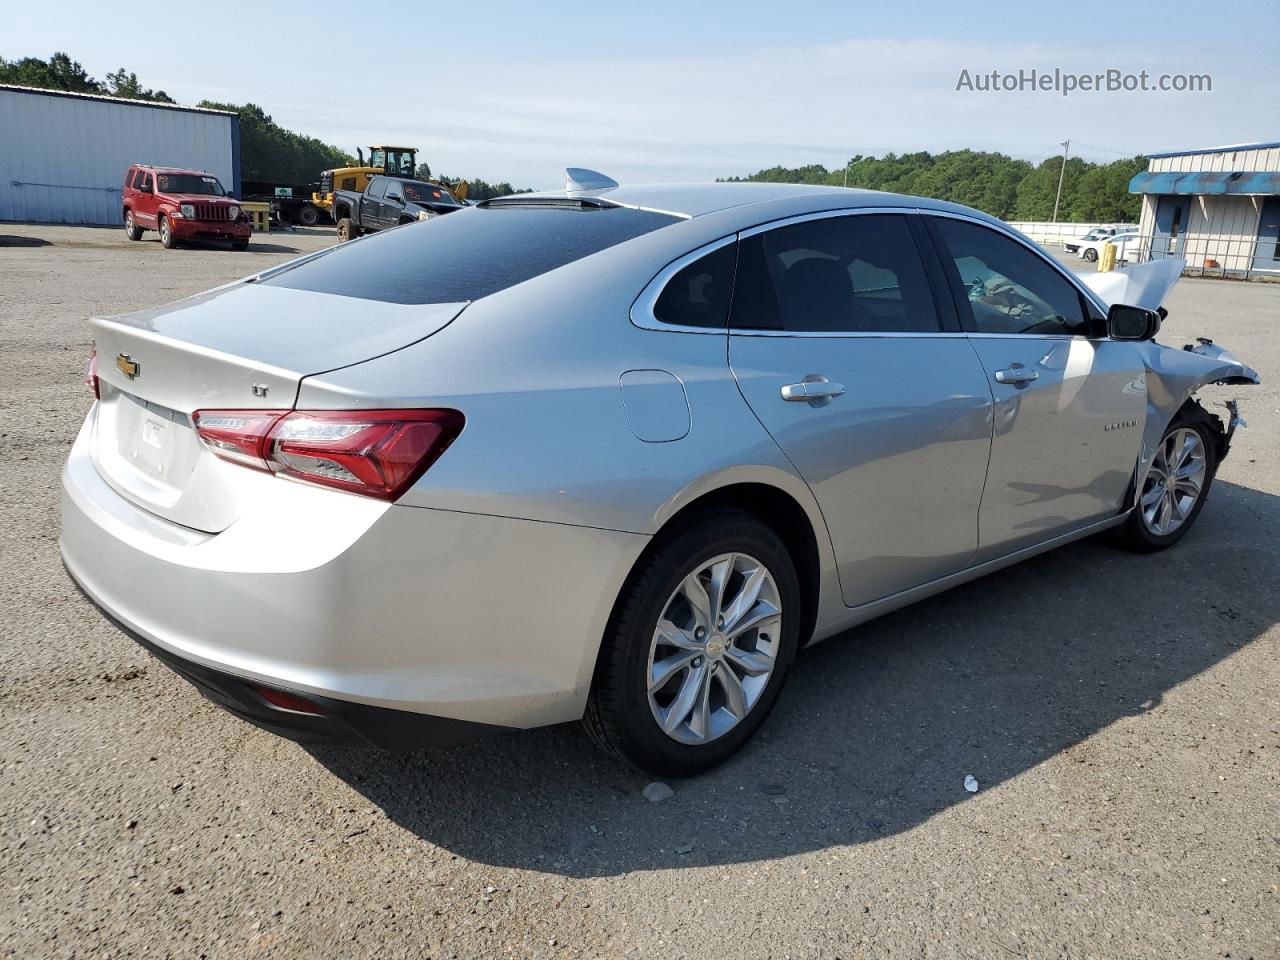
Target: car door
point(393, 204)
point(145, 213)
point(864, 379)
point(372, 216)
point(1069, 403)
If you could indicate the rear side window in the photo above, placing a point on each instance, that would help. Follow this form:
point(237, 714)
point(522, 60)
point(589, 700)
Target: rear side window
point(1008, 288)
point(698, 295)
point(854, 274)
point(469, 254)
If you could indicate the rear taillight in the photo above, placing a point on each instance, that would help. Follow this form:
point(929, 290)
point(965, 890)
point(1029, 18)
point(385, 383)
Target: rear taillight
point(377, 453)
point(91, 374)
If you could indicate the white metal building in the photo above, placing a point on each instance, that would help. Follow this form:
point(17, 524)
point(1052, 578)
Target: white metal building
point(63, 155)
point(1218, 208)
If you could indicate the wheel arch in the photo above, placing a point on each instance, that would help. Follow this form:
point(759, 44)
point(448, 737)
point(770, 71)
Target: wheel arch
point(781, 501)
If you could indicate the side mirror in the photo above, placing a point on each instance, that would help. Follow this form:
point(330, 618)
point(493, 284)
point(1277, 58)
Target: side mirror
point(396, 197)
point(1132, 323)
point(146, 188)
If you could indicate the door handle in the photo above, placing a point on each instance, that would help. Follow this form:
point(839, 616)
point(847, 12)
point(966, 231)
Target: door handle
point(809, 390)
point(1017, 375)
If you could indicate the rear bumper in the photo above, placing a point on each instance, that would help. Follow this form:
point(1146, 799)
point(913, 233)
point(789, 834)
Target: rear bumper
point(338, 723)
point(449, 616)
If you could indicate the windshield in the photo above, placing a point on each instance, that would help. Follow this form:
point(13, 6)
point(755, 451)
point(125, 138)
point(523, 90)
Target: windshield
point(189, 183)
point(396, 162)
point(429, 193)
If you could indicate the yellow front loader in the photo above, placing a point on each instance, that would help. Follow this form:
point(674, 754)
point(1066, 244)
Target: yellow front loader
point(383, 161)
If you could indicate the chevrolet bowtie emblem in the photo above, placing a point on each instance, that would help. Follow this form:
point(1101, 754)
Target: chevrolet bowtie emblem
point(128, 366)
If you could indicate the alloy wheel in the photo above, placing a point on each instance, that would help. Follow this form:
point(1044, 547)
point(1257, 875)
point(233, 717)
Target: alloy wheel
point(714, 648)
point(1174, 482)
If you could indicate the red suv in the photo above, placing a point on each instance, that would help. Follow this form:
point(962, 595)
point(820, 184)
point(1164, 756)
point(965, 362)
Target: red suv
point(182, 205)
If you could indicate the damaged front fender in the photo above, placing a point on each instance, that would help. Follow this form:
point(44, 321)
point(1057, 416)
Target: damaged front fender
point(1174, 375)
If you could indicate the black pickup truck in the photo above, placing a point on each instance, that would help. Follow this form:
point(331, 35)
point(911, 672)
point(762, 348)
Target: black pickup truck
point(389, 202)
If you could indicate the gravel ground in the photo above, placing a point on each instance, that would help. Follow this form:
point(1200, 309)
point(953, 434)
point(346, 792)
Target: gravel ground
point(1120, 714)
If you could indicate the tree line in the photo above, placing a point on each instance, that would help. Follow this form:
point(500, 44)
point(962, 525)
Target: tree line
point(992, 182)
point(268, 152)
point(60, 72)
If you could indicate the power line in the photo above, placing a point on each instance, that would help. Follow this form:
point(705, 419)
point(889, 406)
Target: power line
point(1119, 153)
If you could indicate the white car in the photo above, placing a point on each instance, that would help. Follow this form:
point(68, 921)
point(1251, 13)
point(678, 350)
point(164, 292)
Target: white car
point(1126, 242)
point(1097, 233)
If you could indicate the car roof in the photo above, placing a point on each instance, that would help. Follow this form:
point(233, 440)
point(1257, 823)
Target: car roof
point(700, 199)
point(152, 166)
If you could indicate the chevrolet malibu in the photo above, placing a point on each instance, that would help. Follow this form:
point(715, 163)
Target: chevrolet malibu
point(611, 454)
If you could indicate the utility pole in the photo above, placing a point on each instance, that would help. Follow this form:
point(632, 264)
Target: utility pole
point(1066, 145)
point(846, 172)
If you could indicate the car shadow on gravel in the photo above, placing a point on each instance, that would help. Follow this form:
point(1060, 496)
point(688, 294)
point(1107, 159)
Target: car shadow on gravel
point(877, 728)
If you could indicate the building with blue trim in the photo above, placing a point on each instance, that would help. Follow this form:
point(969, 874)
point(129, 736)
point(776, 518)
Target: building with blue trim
point(1217, 208)
point(63, 155)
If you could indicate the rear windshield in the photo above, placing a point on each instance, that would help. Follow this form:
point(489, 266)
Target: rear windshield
point(469, 254)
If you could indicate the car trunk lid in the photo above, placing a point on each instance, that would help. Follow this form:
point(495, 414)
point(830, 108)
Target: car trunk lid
point(239, 347)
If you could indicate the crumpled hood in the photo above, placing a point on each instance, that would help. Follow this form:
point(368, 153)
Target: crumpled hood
point(1142, 285)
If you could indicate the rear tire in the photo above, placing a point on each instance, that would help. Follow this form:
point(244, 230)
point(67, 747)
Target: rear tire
point(347, 230)
point(131, 229)
point(729, 675)
point(308, 216)
point(1173, 491)
point(167, 239)
point(1090, 255)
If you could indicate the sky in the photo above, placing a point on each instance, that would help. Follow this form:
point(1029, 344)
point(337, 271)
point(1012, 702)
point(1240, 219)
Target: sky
point(665, 91)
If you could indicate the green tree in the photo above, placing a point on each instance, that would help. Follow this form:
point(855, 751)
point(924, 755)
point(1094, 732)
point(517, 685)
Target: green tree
point(125, 84)
point(59, 72)
point(992, 182)
point(271, 153)
point(1102, 195)
point(478, 189)
point(1038, 189)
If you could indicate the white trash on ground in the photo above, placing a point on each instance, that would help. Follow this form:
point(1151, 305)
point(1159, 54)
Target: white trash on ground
point(656, 792)
point(970, 783)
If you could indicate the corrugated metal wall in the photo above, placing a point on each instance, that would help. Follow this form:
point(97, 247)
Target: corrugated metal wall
point(62, 159)
point(1267, 158)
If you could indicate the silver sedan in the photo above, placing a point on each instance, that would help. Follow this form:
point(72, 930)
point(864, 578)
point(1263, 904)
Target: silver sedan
point(612, 454)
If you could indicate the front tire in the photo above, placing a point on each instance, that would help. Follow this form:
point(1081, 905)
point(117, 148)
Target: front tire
point(131, 229)
point(239, 245)
point(167, 239)
point(698, 646)
point(1173, 491)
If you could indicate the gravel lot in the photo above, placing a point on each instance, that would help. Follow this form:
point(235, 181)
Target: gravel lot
point(1121, 713)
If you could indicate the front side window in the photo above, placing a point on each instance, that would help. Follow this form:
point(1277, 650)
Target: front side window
point(698, 295)
point(1008, 289)
point(377, 189)
point(850, 274)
